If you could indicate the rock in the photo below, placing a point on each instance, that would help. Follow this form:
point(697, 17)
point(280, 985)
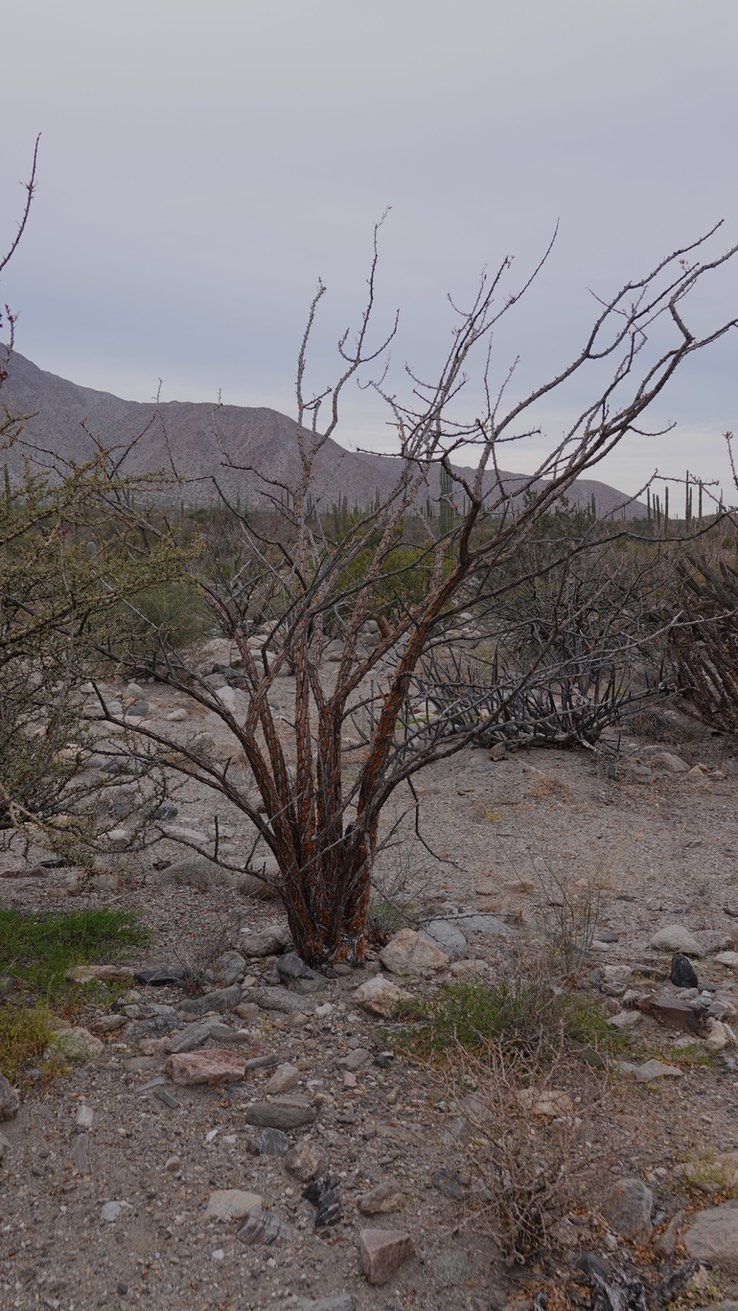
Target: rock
point(231, 1204)
point(177, 716)
point(80, 1153)
point(304, 1162)
point(75, 1044)
point(193, 871)
point(277, 1115)
point(269, 942)
point(409, 952)
point(272, 1142)
point(263, 1227)
point(4, 1145)
point(654, 1069)
point(219, 999)
point(247, 1010)
point(380, 997)
point(384, 1197)
point(720, 1036)
point(448, 1183)
point(716, 1174)
point(210, 1067)
point(713, 1237)
point(111, 1210)
point(552, 1104)
point(673, 1013)
point(139, 710)
point(321, 1193)
point(627, 1209)
point(382, 1252)
point(9, 1099)
point(444, 934)
point(355, 1059)
point(290, 967)
point(728, 958)
point(105, 973)
point(665, 1244)
point(194, 1035)
point(84, 1117)
point(285, 1077)
point(230, 968)
point(683, 973)
point(675, 938)
point(161, 976)
point(624, 1019)
point(278, 999)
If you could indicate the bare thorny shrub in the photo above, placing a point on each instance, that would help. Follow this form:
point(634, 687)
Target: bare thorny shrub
point(294, 585)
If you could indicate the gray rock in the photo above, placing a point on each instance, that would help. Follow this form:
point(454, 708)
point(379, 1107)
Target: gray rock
point(713, 1237)
point(355, 1059)
point(665, 1244)
point(627, 1209)
point(263, 1227)
point(5, 1145)
point(278, 1115)
point(304, 1162)
point(269, 942)
point(80, 1153)
point(279, 999)
point(111, 1210)
point(272, 1142)
point(194, 1035)
point(9, 1099)
point(290, 966)
point(193, 871)
point(676, 938)
point(446, 936)
point(230, 968)
point(220, 999)
point(139, 710)
point(654, 1069)
point(408, 952)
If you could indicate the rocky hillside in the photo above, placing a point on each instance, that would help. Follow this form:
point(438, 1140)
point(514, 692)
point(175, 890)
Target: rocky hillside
point(243, 448)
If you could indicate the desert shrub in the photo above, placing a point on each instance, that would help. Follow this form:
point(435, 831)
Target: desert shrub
point(704, 642)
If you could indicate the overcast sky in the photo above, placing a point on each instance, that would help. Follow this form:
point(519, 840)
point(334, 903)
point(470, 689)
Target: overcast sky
point(202, 164)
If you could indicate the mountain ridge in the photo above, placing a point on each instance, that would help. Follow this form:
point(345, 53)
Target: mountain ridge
point(241, 449)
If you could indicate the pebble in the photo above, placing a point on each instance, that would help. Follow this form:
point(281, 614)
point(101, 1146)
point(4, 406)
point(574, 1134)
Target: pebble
point(231, 1204)
point(285, 1077)
point(111, 1211)
point(208, 1067)
point(263, 1226)
point(272, 1142)
point(273, 1115)
point(384, 1197)
point(304, 1161)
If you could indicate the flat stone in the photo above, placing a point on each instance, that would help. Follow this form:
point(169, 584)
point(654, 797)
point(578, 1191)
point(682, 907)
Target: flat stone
point(713, 1237)
point(194, 1035)
point(381, 1199)
point(80, 1153)
point(279, 999)
point(675, 938)
point(9, 1099)
point(355, 1059)
point(654, 1069)
point(219, 999)
point(625, 1019)
point(105, 973)
point(380, 997)
point(231, 1204)
point(382, 1252)
point(673, 1013)
point(206, 1067)
point(277, 1115)
point(5, 1145)
point(285, 1077)
point(444, 934)
point(409, 952)
point(627, 1209)
point(728, 958)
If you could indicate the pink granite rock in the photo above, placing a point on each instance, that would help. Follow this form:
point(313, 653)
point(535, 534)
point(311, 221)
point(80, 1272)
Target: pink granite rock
point(211, 1066)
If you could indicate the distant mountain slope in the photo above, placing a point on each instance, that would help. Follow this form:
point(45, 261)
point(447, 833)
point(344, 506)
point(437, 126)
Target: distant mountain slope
point(203, 441)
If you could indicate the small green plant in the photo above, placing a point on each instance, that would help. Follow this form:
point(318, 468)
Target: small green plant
point(521, 1014)
point(711, 1173)
point(693, 1054)
point(39, 949)
point(25, 1033)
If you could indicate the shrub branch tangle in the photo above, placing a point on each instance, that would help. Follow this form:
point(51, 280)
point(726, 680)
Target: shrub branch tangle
point(320, 819)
